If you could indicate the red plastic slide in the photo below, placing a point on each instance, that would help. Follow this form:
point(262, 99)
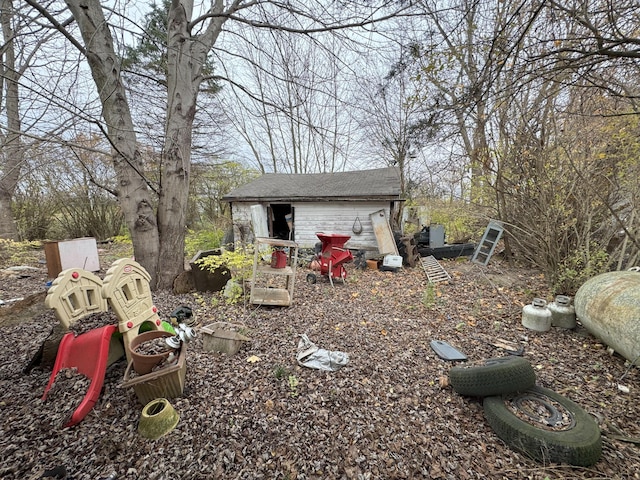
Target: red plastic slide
point(88, 353)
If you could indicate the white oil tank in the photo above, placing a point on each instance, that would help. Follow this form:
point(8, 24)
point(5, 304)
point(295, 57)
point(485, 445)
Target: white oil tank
point(608, 305)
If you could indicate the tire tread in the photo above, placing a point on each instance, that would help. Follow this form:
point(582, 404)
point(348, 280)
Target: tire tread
point(580, 446)
point(496, 377)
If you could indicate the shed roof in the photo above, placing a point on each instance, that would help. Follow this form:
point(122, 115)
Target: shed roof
point(381, 183)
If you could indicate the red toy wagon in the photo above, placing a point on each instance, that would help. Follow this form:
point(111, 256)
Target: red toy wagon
point(332, 257)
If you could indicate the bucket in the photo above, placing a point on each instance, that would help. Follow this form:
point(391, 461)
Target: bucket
point(563, 314)
point(142, 363)
point(608, 305)
point(537, 316)
point(278, 259)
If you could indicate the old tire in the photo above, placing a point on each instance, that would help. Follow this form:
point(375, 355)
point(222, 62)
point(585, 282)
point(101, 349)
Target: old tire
point(496, 377)
point(312, 278)
point(565, 433)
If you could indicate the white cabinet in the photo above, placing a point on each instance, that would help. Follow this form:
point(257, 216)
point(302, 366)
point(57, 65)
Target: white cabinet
point(274, 271)
point(76, 253)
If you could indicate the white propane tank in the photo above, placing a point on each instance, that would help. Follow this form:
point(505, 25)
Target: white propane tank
point(537, 316)
point(563, 314)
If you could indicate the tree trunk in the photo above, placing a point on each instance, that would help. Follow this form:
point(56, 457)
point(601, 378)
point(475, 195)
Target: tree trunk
point(11, 145)
point(8, 228)
point(183, 64)
point(186, 56)
point(133, 191)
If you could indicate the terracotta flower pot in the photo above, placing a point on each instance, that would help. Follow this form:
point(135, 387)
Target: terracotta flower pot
point(142, 363)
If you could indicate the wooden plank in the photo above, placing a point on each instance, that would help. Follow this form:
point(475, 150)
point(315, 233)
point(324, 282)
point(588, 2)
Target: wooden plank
point(259, 220)
point(384, 235)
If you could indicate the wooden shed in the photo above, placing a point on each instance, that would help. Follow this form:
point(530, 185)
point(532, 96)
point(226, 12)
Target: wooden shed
point(297, 206)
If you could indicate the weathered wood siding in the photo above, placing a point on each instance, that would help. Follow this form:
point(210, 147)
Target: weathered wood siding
point(327, 217)
point(242, 229)
point(336, 217)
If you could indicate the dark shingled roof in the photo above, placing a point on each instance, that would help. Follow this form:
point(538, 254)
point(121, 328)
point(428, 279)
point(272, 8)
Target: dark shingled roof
point(381, 183)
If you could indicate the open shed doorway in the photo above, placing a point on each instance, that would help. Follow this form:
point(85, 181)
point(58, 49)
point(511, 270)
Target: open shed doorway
point(281, 221)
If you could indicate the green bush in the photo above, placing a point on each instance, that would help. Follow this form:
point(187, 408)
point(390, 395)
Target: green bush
point(122, 239)
point(458, 218)
point(87, 216)
point(34, 216)
point(233, 292)
point(459, 225)
point(579, 267)
point(19, 253)
point(205, 239)
point(239, 261)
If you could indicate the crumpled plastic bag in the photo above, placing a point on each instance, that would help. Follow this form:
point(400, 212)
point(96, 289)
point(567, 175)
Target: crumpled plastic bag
point(309, 355)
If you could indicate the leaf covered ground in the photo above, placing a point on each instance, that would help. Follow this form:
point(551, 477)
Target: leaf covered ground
point(388, 414)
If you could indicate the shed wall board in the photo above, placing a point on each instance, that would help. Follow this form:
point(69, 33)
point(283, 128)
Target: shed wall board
point(336, 217)
point(327, 217)
point(382, 230)
point(242, 228)
point(259, 220)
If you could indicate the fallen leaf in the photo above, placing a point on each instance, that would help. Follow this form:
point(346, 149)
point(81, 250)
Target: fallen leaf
point(253, 359)
point(236, 417)
point(624, 388)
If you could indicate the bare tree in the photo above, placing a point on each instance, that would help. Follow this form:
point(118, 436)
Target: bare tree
point(158, 235)
point(514, 82)
point(594, 32)
point(393, 121)
point(11, 148)
point(39, 102)
point(294, 118)
point(580, 59)
point(453, 54)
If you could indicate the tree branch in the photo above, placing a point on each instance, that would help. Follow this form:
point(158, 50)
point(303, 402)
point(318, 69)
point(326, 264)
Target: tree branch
point(57, 25)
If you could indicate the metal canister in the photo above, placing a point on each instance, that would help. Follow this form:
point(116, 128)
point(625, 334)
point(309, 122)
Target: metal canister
point(537, 316)
point(563, 314)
